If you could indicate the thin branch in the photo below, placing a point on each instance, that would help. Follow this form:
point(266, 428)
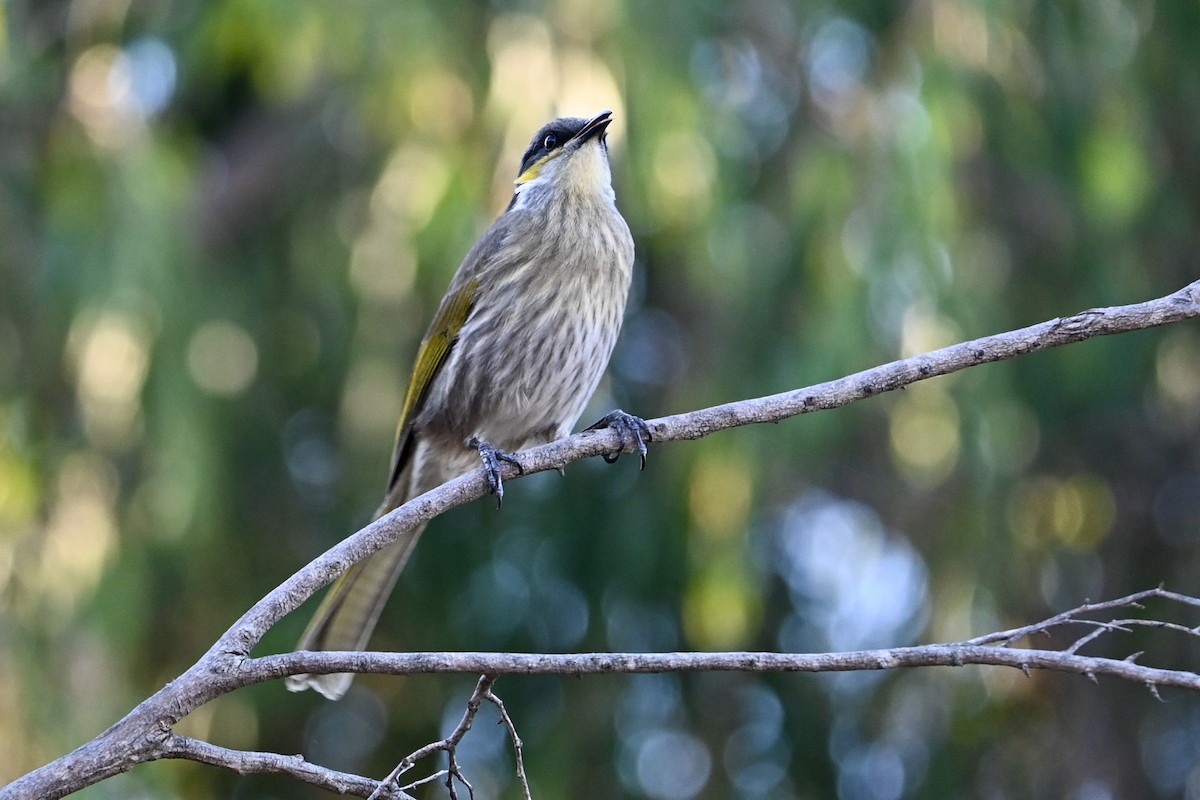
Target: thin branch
point(449, 745)
point(518, 745)
point(437, 776)
point(145, 733)
point(1134, 600)
point(1127, 626)
point(931, 655)
point(248, 763)
point(1098, 630)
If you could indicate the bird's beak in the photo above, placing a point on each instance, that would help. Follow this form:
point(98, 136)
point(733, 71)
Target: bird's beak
point(594, 127)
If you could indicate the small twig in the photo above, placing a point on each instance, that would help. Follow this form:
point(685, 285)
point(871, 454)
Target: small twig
point(1006, 638)
point(1160, 625)
point(518, 745)
point(441, 773)
point(1186, 600)
point(449, 745)
point(1126, 626)
point(1100, 628)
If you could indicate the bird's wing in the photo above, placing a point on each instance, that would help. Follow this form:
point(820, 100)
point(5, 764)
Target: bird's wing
point(431, 357)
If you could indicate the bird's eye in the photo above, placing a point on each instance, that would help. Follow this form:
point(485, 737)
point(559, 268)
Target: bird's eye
point(550, 142)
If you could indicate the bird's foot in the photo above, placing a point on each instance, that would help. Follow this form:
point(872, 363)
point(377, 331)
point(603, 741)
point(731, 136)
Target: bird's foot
point(633, 432)
point(491, 456)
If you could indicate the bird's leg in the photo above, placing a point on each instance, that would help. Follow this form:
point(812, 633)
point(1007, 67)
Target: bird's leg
point(491, 456)
point(633, 431)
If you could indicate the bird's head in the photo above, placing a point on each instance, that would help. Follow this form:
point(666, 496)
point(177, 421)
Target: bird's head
point(568, 155)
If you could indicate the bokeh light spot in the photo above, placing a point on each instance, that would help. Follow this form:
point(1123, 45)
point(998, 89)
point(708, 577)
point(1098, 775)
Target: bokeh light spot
point(371, 398)
point(721, 598)
point(684, 170)
point(925, 330)
point(110, 354)
point(222, 358)
point(873, 772)
point(719, 607)
point(837, 64)
point(81, 532)
point(853, 583)
point(114, 91)
point(673, 765)
point(719, 496)
point(1077, 511)
point(440, 104)
point(960, 32)
point(1009, 436)
point(19, 490)
point(925, 435)
point(1116, 172)
point(151, 75)
point(1177, 370)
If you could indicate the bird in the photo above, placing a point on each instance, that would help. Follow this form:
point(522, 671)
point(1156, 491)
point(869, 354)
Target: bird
point(512, 356)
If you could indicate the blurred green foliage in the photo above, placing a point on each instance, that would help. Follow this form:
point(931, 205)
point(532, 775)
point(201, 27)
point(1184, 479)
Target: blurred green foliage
point(223, 227)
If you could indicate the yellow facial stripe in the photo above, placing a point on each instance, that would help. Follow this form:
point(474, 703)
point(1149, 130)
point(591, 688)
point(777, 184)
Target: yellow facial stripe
point(536, 168)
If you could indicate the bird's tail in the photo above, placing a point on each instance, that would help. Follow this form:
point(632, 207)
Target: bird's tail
point(347, 615)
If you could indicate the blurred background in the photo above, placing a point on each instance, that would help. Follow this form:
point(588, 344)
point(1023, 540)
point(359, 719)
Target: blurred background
point(224, 227)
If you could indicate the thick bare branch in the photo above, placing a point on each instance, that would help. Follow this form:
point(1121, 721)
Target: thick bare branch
point(145, 733)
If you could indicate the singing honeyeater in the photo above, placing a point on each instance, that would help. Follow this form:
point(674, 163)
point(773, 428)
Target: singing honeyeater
point(511, 358)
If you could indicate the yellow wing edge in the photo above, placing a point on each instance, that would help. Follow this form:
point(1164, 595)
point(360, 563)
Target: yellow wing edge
point(432, 355)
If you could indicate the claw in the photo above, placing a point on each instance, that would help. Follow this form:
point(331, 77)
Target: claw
point(633, 431)
point(491, 456)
